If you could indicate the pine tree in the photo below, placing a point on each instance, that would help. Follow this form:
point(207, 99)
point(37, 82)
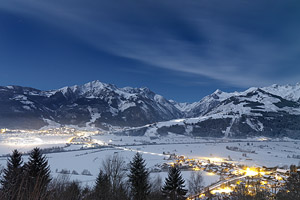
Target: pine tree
point(174, 185)
point(72, 191)
point(102, 190)
point(37, 174)
point(12, 176)
point(139, 178)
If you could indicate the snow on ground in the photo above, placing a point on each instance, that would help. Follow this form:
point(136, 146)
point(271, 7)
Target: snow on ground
point(258, 152)
point(25, 142)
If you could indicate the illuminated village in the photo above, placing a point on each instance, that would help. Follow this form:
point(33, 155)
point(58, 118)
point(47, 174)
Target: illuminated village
point(232, 176)
point(60, 130)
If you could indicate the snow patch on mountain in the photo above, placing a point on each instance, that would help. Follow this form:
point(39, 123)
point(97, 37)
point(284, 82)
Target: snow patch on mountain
point(203, 106)
point(227, 132)
point(10, 87)
point(28, 105)
point(51, 124)
point(125, 105)
point(289, 92)
point(94, 116)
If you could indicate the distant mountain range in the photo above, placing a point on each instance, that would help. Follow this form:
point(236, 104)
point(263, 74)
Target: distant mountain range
point(92, 104)
point(269, 111)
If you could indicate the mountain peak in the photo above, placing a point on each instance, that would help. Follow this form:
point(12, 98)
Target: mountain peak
point(96, 84)
point(218, 91)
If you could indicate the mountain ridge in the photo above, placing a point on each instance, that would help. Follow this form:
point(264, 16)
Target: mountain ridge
point(105, 106)
point(75, 104)
point(251, 113)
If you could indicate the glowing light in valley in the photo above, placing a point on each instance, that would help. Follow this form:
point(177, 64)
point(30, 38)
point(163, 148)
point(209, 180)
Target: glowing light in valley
point(263, 139)
point(263, 182)
point(213, 159)
point(250, 171)
point(17, 141)
point(70, 139)
point(196, 169)
point(226, 190)
point(211, 174)
point(30, 141)
point(3, 130)
point(279, 178)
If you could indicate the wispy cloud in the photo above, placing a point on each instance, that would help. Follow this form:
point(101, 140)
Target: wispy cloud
point(197, 38)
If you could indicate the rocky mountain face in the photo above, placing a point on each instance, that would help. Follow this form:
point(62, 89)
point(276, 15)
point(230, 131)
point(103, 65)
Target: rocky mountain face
point(202, 107)
point(270, 111)
point(93, 104)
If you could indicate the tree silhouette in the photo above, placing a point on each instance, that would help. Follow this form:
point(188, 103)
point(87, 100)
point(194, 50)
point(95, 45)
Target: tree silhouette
point(102, 189)
point(12, 176)
point(139, 178)
point(174, 185)
point(37, 174)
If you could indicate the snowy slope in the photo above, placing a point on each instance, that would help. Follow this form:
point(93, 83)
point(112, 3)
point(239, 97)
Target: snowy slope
point(271, 111)
point(93, 104)
point(208, 103)
point(289, 92)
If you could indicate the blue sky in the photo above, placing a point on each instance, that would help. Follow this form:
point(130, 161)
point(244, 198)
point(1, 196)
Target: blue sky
point(183, 50)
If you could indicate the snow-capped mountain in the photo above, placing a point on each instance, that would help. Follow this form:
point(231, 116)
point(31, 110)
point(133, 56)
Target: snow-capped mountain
point(203, 106)
point(289, 92)
point(92, 104)
point(270, 111)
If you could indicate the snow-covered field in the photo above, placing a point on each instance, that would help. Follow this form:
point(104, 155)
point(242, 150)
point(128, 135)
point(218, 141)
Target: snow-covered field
point(258, 153)
point(26, 141)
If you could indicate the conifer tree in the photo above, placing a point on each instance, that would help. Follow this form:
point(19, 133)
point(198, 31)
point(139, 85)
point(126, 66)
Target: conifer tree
point(102, 190)
point(139, 178)
point(12, 176)
point(37, 174)
point(72, 191)
point(174, 185)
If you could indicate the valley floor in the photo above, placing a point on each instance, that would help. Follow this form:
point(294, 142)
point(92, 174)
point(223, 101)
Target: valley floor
point(88, 152)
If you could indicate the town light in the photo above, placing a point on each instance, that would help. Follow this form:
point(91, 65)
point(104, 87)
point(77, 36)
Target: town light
point(196, 169)
point(226, 190)
point(210, 174)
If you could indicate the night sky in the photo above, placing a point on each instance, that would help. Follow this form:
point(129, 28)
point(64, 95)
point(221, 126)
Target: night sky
point(182, 49)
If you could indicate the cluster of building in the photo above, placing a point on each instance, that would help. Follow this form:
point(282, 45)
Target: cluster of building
point(85, 141)
point(232, 176)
